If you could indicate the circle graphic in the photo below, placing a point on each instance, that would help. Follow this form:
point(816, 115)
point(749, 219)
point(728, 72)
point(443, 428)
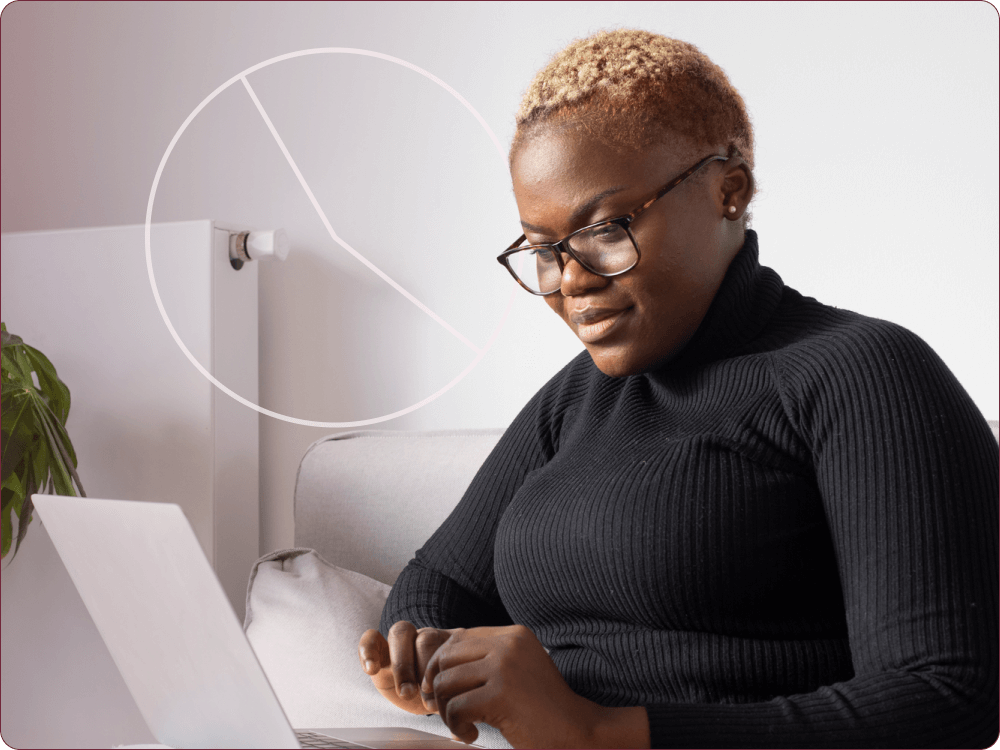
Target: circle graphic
point(241, 77)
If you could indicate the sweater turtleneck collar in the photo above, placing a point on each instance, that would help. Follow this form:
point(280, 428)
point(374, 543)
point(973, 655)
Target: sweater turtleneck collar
point(745, 301)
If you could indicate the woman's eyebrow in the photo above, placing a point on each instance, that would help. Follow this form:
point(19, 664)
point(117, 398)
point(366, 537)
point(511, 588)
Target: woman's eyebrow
point(580, 211)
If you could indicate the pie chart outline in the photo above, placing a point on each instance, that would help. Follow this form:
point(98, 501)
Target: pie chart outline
point(480, 353)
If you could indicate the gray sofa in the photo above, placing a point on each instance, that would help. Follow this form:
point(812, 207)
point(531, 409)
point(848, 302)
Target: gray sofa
point(364, 502)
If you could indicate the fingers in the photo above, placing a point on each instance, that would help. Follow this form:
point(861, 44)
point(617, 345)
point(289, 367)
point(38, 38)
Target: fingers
point(461, 725)
point(396, 665)
point(402, 652)
point(429, 640)
point(458, 649)
point(443, 676)
point(373, 652)
point(463, 695)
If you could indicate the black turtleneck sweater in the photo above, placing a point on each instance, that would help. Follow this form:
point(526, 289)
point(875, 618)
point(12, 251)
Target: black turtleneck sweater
point(787, 536)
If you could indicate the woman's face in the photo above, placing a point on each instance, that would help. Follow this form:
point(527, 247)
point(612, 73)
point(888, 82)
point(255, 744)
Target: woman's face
point(632, 323)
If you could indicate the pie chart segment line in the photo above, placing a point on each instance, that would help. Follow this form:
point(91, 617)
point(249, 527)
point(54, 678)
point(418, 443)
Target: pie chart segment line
point(329, 228)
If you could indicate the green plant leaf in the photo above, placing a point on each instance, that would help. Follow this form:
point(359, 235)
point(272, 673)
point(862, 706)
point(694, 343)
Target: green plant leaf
point(54, 390)
point(13, 453)
point(37, 451)
point(15, 493)
point(12, 371)
point(61, 463)
point(63, 443)
point(54, 466)
point(38, 470)
point(15, 444)
point(7, 338)
point(25, 514)
point(6, 530)
point(10, 390)
point(23, 366)
point(22, 523)
point(12, 500)
point(65, 448)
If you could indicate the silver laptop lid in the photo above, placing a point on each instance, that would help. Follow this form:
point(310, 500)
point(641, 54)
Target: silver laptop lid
point(166, 621)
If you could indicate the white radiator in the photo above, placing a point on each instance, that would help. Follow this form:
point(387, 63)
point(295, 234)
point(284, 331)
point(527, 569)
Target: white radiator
point(146, 425)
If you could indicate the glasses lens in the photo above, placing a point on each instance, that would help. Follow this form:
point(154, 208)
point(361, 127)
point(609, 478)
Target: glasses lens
point(537, 268)
point(606, 248)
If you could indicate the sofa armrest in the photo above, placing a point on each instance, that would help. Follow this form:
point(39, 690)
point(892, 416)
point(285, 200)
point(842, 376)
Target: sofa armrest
point(367, 500)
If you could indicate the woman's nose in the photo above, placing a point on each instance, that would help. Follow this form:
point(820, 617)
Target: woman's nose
point(577, 280)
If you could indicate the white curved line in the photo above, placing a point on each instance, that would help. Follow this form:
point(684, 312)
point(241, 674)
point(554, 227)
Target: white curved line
point(149, 254)
point(329, 227)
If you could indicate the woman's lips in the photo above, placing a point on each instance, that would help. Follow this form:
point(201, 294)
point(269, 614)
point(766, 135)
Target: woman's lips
point(594, 324)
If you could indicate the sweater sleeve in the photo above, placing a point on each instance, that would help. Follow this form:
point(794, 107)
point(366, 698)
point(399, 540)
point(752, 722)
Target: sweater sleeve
point(450, 583)
point(907, 470)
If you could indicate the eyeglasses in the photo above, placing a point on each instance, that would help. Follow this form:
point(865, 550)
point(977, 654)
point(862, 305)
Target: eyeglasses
point(607, 248)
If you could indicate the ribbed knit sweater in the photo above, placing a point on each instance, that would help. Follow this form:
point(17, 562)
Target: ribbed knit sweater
point(786, 536)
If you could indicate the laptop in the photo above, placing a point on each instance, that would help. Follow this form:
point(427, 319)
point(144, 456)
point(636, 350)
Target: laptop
point(173, 635)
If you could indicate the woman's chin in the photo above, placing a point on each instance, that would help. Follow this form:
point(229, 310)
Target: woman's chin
point(613, 362)
point(621, 361)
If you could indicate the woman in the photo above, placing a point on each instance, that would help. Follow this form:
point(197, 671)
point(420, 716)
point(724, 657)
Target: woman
point(740, 517)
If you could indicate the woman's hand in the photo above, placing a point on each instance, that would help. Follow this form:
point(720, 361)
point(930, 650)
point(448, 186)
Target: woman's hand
point(503, 676)
point(397, 665)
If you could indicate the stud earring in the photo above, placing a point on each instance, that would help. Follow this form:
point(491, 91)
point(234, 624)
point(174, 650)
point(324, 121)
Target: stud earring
point(732, 209)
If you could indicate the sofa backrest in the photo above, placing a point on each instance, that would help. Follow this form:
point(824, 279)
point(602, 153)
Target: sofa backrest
point(367, 500)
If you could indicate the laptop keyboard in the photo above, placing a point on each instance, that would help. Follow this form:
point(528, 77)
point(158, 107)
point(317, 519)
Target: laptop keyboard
point(313, 739)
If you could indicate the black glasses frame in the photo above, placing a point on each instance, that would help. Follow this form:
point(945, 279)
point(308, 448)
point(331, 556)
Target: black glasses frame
point(562, 246)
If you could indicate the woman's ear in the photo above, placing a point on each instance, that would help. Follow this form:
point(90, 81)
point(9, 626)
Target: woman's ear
point(736, 190)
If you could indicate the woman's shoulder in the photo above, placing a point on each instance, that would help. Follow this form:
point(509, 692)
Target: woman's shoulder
point(835, 367)
point(806, 334)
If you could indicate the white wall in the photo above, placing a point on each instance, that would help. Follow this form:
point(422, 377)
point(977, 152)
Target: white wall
point(877, 160)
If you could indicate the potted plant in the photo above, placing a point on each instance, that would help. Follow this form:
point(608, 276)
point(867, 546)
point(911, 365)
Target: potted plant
point(37, 453)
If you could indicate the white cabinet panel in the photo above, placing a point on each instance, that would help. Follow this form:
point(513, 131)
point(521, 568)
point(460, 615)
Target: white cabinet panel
point(146, 425)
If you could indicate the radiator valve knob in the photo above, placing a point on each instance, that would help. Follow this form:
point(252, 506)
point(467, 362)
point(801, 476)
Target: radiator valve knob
point(258, 245)
point(271, 243)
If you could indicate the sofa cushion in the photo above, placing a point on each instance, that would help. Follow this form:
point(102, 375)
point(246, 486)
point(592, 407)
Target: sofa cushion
point(304, 618)
point(367, 500)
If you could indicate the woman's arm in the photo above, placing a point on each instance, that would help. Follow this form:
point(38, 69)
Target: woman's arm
point(907, 470)
point(450, 582)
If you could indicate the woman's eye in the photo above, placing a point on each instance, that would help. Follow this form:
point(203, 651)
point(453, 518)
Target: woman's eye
point(543, 254)
point(605, 233)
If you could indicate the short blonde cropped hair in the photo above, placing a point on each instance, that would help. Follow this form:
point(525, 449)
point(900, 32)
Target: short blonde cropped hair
point(630, 88)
